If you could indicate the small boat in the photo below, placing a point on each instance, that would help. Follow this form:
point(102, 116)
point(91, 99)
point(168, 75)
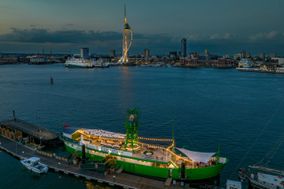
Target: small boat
point(262, 177)
point(245, 63)
point(101, 64)
point(34, 164)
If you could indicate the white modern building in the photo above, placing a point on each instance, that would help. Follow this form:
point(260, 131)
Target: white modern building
point(84, 53)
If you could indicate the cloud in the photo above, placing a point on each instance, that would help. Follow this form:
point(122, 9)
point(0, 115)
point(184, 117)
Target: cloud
point(104, 41)
point(35, 35)
point(207, 37)
point(64, 40)
point(38, 35)
point(219, 36)
point(265, 36)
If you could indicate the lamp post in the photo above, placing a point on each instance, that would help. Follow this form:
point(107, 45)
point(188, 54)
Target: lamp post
point(39, 141)
point(16, 147)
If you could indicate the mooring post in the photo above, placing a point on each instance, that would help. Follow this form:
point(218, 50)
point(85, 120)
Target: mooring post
point(83, 153)
point(14, 115)
point(51, 80)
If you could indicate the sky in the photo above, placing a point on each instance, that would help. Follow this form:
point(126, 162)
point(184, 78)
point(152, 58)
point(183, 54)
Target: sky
point(64, 26)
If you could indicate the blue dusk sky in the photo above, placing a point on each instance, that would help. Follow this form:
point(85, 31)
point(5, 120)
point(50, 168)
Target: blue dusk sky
point(221, 26)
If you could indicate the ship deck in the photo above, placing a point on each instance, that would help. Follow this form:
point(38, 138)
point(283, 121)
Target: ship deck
point(148, 149)
point(116, 141)
point(158, 154)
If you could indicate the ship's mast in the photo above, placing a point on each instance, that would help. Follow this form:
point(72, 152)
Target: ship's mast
point(173, 137)
point(131, 141)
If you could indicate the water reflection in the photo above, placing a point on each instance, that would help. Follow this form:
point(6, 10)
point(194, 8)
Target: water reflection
point(90, 185)
point(126, 88)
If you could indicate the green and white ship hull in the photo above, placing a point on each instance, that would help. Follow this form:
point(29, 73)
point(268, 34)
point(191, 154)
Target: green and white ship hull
point(141, 158)
point(140, 167)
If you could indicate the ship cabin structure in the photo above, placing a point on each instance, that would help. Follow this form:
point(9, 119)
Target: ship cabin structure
point(27, 133)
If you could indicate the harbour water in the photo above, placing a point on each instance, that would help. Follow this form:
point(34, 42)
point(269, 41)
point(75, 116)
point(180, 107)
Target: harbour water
point(241, 112)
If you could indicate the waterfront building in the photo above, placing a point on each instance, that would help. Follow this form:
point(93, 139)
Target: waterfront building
point(39, 59)
point(279, 60)
point(84, 53)
point(127, 37)
point(183, 47)
point(194, 55)
point(245, 63)
point(245, 54)
point(206, 53)
point(8, 59)
point(146, 54)
point(173, 55)
point(112, 53)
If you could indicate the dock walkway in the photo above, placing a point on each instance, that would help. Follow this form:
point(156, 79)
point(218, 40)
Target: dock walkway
point(123, 180)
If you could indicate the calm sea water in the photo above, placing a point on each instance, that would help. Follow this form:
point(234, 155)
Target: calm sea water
point(243, 113)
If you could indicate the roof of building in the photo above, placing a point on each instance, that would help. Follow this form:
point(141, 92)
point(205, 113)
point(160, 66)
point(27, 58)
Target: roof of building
point(30, 129)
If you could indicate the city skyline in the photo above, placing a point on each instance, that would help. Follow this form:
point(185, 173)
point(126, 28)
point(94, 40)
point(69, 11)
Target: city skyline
point(65, 26)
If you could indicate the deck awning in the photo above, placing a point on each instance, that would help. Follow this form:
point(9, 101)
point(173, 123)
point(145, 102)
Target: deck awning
point(203, 157)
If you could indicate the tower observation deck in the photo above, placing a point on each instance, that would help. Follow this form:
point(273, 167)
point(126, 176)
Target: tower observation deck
point(127, 37)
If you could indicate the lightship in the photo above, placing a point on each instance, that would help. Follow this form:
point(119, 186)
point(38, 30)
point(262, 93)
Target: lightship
point(152, 157)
